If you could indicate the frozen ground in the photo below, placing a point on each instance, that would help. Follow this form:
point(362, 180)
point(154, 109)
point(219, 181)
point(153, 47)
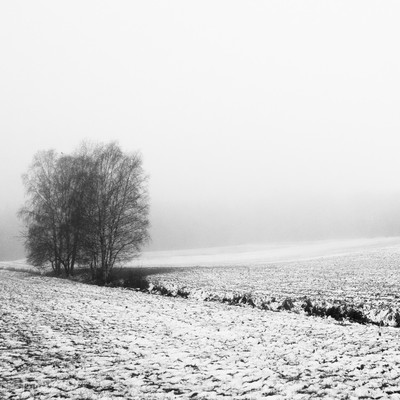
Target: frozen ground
point(62, 339)
point(360, 278)
point(261, 254)
point(250, 254)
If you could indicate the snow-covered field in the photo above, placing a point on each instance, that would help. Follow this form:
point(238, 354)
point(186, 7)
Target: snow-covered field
point(64, 339)
point(261, 254)
point(358, 277)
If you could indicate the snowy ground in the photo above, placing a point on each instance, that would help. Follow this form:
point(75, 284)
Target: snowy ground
point(361, 276)
point(261, 254)
point(62, 339)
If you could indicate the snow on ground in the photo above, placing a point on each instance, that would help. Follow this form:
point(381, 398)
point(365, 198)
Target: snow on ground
point(63, 339)
point(364, 279)
point(17, 265)
point(256, 254)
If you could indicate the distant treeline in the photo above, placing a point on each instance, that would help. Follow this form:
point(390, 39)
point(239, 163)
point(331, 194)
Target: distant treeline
point(86, 208)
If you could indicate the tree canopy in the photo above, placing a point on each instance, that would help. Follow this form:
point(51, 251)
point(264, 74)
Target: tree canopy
point(87, 208)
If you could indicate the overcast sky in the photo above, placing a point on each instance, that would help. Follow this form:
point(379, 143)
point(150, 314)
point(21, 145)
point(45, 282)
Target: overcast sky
point(257, 120)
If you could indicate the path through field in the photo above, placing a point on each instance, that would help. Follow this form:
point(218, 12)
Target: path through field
point(62, 339)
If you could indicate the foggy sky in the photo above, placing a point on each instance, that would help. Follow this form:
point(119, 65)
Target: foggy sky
point(257, 121)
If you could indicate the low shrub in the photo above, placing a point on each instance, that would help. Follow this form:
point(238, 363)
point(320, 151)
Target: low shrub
point(287, 304)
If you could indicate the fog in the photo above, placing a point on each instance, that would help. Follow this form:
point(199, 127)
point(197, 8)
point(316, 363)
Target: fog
point(258, 121)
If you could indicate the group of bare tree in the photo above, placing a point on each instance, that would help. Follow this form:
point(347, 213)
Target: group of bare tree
point(87, 208)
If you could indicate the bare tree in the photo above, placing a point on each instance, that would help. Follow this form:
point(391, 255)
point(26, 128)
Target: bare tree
point(40, 211)
point(119, 214)
point(88, 208)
